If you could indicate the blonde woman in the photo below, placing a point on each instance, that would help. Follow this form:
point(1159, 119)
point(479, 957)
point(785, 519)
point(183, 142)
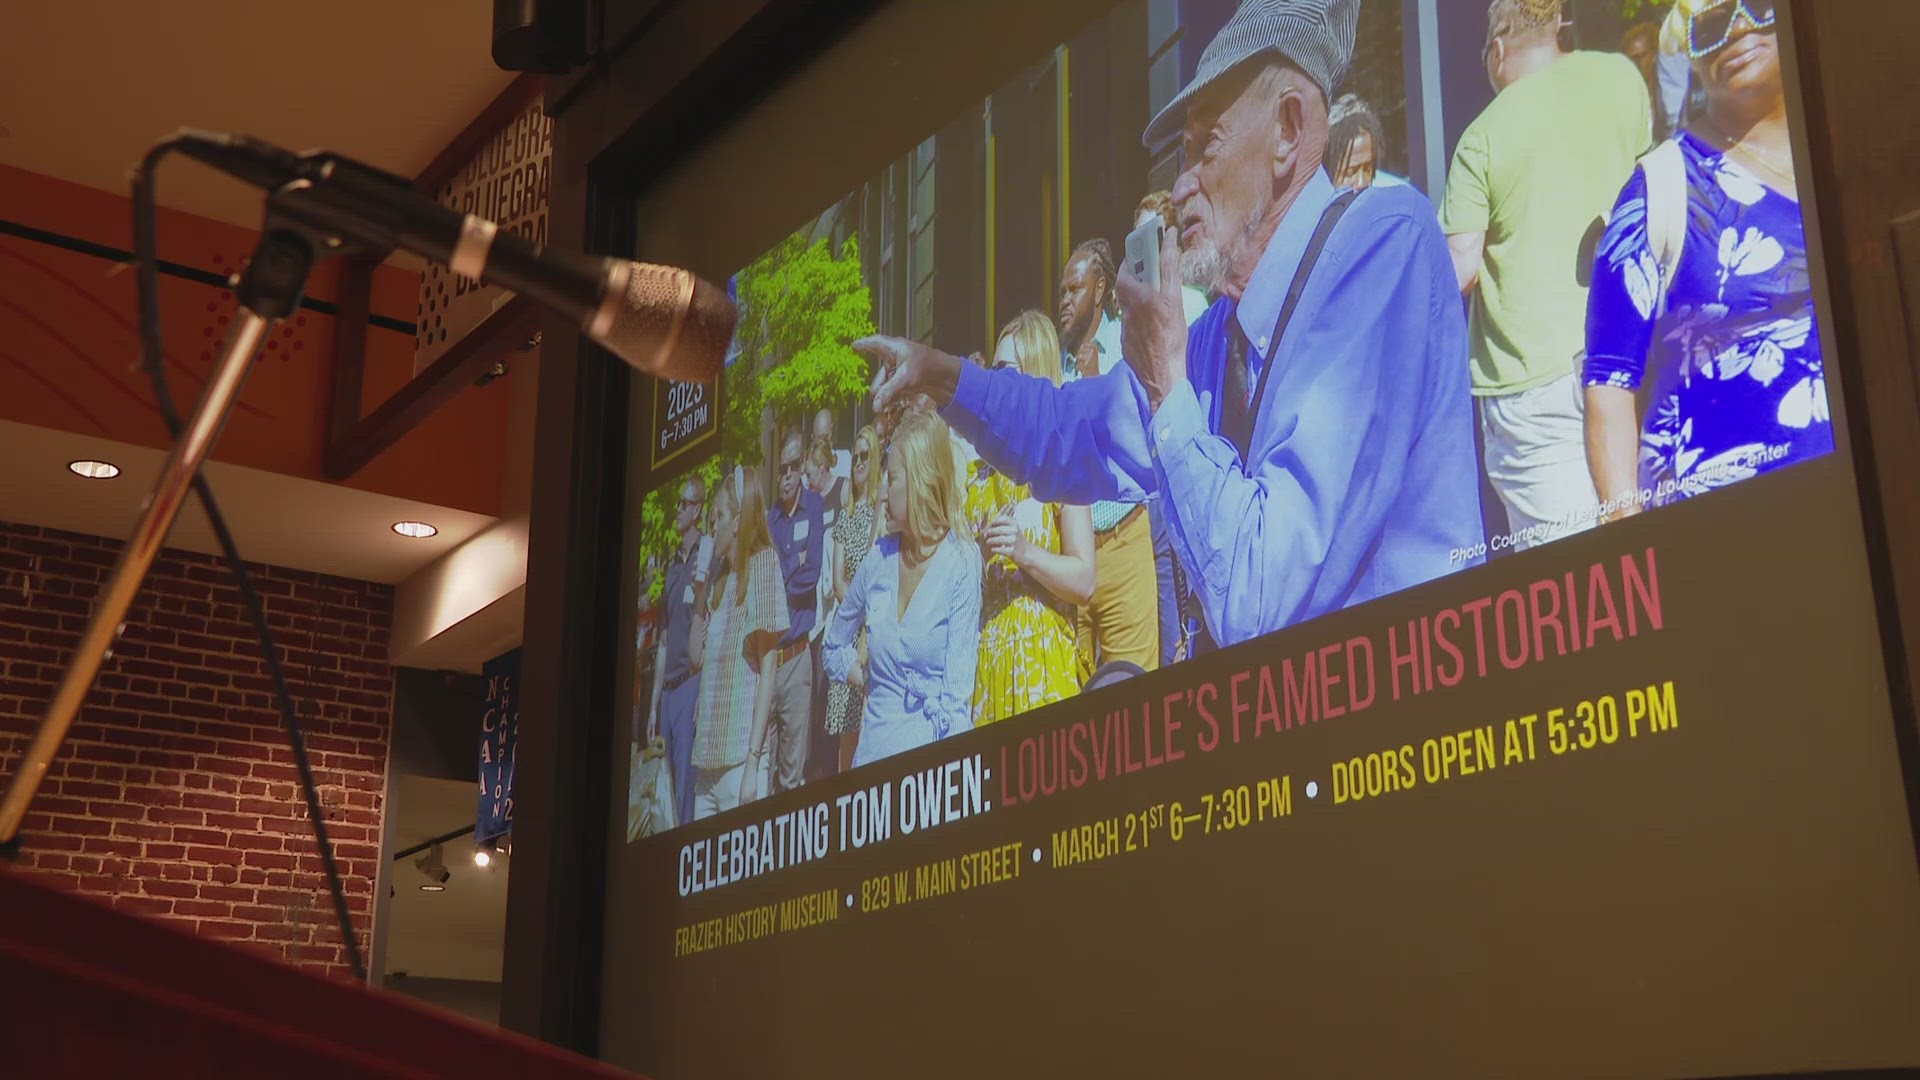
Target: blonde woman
point(854, 533)
point(1039, 562)
point(746, 614)
point(918, 596)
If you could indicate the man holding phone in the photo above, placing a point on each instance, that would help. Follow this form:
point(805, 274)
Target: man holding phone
point(1312, 433)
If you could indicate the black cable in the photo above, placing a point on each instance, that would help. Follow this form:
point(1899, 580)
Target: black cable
point(152, 350)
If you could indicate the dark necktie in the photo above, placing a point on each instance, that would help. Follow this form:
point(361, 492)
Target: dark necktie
point(1236, 414)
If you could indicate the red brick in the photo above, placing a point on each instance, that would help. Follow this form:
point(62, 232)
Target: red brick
point(89, 789)
point(209, 908)
point(235, 822)
point(152, 796)
point(286, 826)
point(143, 905)
point(229, 930)
point(251, 751)
point(106, 885)
point(213, 853)
point(141, 830)
point(202, 801)
point(164, 759)
point(105, 845)
point(176, 889)
point(218, 730)
point(186, 835)
point(198, 710)
point(174, 815)
point(253, 842)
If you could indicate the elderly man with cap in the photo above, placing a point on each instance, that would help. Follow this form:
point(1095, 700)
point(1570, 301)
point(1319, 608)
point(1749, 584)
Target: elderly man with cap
point(1312, 432)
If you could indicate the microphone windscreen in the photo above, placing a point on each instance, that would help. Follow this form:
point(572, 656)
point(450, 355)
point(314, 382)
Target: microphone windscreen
point(668, 323)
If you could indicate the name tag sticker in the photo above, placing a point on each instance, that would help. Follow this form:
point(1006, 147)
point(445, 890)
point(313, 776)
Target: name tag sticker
point(686, 596)
point(800, 530)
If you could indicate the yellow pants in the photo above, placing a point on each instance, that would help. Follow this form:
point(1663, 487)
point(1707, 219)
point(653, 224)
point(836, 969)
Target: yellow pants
point(1123, 620)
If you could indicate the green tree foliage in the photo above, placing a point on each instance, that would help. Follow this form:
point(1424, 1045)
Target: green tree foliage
point(801, 309)
point(1635, 10)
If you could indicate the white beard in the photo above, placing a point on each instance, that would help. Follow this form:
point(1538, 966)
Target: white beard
point(1203, 265)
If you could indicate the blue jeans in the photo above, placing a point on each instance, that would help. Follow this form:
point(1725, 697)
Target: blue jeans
point(676, 727)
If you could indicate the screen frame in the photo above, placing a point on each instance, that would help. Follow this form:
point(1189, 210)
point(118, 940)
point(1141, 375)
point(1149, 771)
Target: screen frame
point(680, 73)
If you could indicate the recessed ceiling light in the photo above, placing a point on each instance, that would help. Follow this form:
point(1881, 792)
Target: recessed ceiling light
point(482, 857)
point(433, 888)
point(414, 530)
point(93, 470)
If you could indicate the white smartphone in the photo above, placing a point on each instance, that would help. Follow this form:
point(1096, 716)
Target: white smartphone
point(703, 559)
point(1143, 253)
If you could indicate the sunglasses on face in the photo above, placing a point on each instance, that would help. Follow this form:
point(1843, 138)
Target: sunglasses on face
point(689, 504)
point(788, 467)
point(1710, 30)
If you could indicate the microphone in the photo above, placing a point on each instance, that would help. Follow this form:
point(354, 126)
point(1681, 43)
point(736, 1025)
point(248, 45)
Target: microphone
point(661, 320)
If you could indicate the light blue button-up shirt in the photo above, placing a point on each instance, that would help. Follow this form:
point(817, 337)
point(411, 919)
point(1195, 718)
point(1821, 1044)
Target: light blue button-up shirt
point(1362, 478)
point(921, 659)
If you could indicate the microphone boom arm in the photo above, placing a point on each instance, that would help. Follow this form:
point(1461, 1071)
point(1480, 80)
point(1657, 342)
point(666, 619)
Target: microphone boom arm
point(267, 290)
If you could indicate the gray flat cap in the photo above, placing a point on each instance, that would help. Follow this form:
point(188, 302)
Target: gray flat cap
point(1315, 36)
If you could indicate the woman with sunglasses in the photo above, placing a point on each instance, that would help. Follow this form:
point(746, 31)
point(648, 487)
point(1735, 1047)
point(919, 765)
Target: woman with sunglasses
point(854, 533)
point(1703, 362)
point(1039, 562)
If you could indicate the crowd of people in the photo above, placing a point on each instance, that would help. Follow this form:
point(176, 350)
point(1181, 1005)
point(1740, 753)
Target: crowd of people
point(1598, 317)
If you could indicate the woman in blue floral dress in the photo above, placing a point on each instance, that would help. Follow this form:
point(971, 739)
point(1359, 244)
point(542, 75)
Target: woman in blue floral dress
point(1727, 369)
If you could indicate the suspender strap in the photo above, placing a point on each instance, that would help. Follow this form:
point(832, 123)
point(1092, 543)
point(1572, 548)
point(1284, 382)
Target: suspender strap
point(1328, 219)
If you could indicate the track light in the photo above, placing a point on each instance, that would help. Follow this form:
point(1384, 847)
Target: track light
point(434, 865)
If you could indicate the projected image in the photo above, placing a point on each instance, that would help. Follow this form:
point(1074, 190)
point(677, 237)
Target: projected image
point(1007, 422)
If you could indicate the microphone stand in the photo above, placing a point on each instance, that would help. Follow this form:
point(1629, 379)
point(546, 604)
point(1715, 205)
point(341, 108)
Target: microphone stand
point(268, 290)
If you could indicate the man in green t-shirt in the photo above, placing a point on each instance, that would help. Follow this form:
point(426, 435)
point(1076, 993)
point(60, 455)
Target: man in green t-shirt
point(1527, 197)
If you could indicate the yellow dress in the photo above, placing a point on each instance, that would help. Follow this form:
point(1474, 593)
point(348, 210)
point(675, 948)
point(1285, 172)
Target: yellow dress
point(1026, 635)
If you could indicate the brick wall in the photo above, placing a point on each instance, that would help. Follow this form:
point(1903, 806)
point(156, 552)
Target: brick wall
point(176, 795)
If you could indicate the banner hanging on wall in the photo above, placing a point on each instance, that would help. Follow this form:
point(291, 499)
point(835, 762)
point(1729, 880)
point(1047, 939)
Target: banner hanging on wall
point(499, 731)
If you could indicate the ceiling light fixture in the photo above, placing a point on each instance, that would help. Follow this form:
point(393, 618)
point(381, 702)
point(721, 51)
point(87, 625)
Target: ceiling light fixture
point(433, 888)
point(414, 530)
point(482, 857)
point(93, 470)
